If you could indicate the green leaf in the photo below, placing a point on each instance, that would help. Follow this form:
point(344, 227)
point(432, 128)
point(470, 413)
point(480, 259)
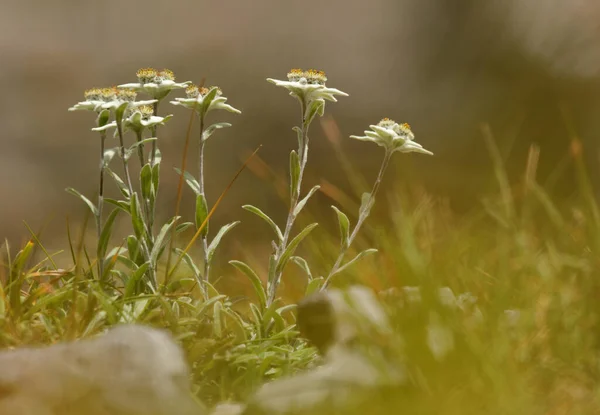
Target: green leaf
point(158, 157)
point(314, 285)
point(294, 173)
point(266, 218)
point(201, 214)
point(136, 219)
point(121, 204)
point(120, 111)
point(120, 183)
point(109, 155)
point(344, 223)
point(105, 235)
point(208, 99)
point(298, 131)
point(316, 107)
point(103, 118)
point(217, 239)
point(130, 289)
point(146, 181)
point(353, 260)
point(211, 129)
point(301, 203)
point(289, 251)
point(366, 203)
point(162, 238)
point(254, 279)
point(134, 249)
point(155, 178)
point(217, 323)
point(189, 262)
point(135, 145)
point(190, 180)
point(301, 262)
point(85, 200)
point(183, 226)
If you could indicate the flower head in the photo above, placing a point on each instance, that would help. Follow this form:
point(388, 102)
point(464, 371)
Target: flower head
point(95, 98)
point(308, 85)
point(139, 118)
point(155, 83)
point(393, 137)
point(204, 99)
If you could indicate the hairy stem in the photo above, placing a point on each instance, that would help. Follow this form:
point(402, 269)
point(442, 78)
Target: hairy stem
point(361, 219)
point(153, 130)
point(204, 237)
point(275, 276)
point(99, 223)
point(142, 242)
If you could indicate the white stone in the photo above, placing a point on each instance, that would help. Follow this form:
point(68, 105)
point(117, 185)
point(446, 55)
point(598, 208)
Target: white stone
point(130, 370)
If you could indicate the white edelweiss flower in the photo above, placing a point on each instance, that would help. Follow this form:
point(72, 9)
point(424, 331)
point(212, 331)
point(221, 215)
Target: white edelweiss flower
point(203, 100)
point(155, 83)
point(393, 137)
point(308, 85)
point(95, 98)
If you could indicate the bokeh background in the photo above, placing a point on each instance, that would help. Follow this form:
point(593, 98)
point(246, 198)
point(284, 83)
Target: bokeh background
point(527, 68)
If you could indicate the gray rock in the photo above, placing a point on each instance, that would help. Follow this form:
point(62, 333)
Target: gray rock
point(130, 370)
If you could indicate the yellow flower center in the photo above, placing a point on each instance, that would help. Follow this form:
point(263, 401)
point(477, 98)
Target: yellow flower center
point(127, 94)
point(93, 94)
point(192, 91)
point(108, 94)
point(147, 111)
point(147, 75)
point(166, 75)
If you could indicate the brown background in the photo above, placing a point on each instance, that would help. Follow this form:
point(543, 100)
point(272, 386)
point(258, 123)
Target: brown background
point(443, 66)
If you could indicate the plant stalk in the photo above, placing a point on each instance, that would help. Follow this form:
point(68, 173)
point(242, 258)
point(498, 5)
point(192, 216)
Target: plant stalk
point(274, 276)
point(361, 219)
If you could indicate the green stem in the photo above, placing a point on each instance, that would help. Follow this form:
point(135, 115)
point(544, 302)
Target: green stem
point(361, 219)
point(275, 276)
point(204, 237)
point(153, 129)
point(101, 204)
point(142, 242)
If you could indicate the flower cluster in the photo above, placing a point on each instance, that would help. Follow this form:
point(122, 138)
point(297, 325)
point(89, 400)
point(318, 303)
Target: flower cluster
point(308, 85)
point(393, 137)
point(202, 100)
point(155, 83)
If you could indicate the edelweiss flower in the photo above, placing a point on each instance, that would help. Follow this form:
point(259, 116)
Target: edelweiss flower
point(393, 137)
point(121, 96)
point(308, 85)
point(95, 98)
point(141, 117)
point(203, 100)
point(155, 83)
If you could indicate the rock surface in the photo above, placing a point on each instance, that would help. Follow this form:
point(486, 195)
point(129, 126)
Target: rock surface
point(130, 370)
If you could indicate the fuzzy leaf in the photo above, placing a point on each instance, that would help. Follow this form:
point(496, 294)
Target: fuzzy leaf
point(162, 238)
point(217, 239)
point(120, 183)
point(294, 172)
point(134, 279)
point(353, 260)
point(217, 323)
point(136, 219)
point(121, 204)
point(366, 203)
point(301, 262)
point(85, 200)
point(105, 235)
point(344, 224)
point(289, 251)
point(190, 180)
point(211, 129)
point(301, 203)
point(146, 181)
point(266, 218)
point(201, 214)
point(109, 155)
point(254, 279)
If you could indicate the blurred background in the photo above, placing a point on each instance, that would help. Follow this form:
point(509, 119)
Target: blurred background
point(527, 68)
